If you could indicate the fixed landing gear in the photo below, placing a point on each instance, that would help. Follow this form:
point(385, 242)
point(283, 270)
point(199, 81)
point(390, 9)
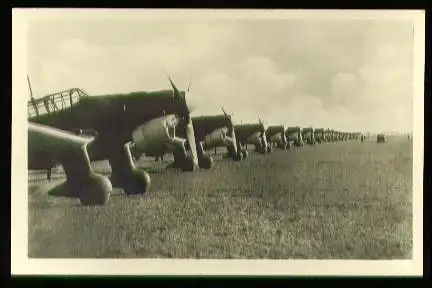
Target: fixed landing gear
point(244, 153)
point(82, 182)
point(234, 152)
point(260, 148)
point(96, 191)
point(126, 175)
point(204, 161)
point(238, 156)
point(264, 150)
point(281, 145)
point(182, 161)
point(92, 190)
point(288, 145)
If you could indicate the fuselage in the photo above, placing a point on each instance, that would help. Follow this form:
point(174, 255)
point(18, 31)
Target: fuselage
point(113, 116)
point(319, 135)
point(294, 134)
point(253, 133)
point(308, 135)
point(276, 134)
point(204, 125)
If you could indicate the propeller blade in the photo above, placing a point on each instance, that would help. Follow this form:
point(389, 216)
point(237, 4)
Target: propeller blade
point(261, 123)
point(176, 91)
point(223, 110)
point(190, 134)
point(188, 88)
point(178, 97)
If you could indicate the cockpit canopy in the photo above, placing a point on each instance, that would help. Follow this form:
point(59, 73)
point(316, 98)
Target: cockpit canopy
point(55, 102)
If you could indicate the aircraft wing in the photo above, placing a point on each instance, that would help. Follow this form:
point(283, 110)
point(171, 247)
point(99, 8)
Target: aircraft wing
point(47, 138)
point(46, 144)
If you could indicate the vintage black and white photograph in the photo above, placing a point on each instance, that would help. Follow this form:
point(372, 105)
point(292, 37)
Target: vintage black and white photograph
point(216, 135)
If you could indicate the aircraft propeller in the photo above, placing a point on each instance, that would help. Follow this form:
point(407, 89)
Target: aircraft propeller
point(185, 114)
point(263, 125)
point(260, 122)
point(226, 114)
point(189, 84)
point(229, 117)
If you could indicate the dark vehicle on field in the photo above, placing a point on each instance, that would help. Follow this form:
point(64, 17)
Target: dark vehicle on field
point(381, 138)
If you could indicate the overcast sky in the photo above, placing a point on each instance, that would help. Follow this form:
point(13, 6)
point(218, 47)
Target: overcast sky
point(350, 74)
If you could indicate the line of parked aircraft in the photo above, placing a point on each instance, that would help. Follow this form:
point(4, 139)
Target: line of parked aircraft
point(72, 129)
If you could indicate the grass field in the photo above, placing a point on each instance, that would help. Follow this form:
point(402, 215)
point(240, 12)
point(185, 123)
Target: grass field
point(346, 200)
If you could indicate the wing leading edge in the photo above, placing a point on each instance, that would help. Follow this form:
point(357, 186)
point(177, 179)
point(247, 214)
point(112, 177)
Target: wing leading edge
point(71, 151)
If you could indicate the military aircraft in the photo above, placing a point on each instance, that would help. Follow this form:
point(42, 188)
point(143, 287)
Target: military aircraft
point(328, 135)
point(122, 123)
point(358, 135)
point(344, 136)
point(276, 135)
point(308, 135)
point(319, 135)
point(252, 133)
point(337, 136)
point(212, 131)
point(332, 135)
point(348, 136)
point(294, 136)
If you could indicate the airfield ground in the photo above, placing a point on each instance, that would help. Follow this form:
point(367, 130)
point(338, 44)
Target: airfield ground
point(348, 200)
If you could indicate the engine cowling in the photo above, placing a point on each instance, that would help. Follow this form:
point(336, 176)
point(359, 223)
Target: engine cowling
point(255, 139)
point(309, 137)
point(156, 135)
point(216, 138)
point(276, 137)
point(296, 138)
point(259, 140)
point(293, 136)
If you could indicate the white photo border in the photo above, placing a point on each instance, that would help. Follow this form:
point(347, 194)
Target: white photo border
point(22, 264)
